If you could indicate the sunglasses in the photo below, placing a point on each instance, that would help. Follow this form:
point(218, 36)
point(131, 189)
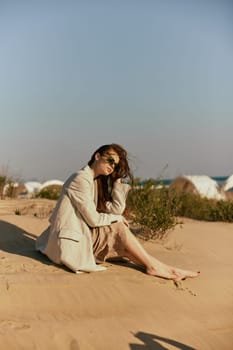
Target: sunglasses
point(111, 162)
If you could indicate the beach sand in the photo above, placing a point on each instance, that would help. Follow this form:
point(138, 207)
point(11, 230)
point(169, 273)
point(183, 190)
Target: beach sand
point(44, 306)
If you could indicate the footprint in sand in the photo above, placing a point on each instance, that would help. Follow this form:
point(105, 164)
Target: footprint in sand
point(180, 287)
point(9, 325)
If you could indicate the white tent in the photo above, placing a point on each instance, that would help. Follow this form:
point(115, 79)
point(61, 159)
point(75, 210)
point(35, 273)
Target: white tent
point(228, 184)
point(51, 183)
point(206, 187)
point(32, 187)
point(203, 185)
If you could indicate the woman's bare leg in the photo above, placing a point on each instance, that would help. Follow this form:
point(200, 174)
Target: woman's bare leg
point(136, 253)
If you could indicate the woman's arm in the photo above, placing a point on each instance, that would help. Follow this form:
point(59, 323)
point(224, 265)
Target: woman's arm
point(80, 193)
point(119, 195)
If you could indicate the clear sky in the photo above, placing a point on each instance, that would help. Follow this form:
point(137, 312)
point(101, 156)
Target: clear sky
point(153, 75)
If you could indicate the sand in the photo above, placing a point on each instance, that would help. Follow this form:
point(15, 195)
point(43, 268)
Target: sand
point(44, 306)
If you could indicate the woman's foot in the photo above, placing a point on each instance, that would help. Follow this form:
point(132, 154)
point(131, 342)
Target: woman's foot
point(171, 273)
point(161, 272)
point(183, 274)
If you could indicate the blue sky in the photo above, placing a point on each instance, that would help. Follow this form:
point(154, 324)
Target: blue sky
point(154, 76)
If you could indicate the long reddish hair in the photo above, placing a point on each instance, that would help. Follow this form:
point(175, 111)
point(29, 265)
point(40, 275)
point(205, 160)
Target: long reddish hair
point(105, 183)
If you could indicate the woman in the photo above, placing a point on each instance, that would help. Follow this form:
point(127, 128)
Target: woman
point(87, 226)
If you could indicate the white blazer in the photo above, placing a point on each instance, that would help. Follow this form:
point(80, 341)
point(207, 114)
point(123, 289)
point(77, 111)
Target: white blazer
point(68, 240)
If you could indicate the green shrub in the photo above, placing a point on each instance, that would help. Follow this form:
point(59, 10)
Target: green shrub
point(50, 192)
point(153, 209)
point(157, 209)
point(193, 206)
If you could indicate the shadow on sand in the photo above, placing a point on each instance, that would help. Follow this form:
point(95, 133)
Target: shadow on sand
point(14, 240)
point(151, 343)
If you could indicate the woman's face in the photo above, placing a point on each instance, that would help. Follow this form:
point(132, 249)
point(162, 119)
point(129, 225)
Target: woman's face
point(105, 164)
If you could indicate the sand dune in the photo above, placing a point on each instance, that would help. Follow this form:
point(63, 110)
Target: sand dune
point(44, 306)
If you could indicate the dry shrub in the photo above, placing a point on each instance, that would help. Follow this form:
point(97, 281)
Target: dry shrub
point(40, 210)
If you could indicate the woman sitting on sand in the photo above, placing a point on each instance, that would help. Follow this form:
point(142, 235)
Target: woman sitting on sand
point(87, 226)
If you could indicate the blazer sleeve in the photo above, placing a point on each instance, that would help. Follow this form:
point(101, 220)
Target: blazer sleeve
point(80, 193)
point(119, 195)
